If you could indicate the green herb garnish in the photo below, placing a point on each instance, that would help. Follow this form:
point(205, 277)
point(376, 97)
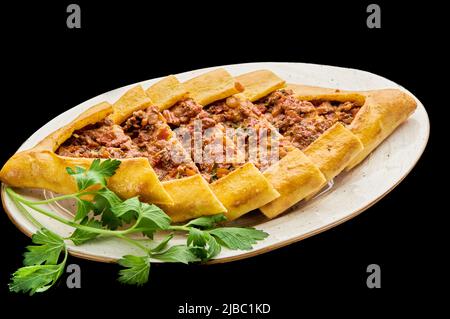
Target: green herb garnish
point(100, 213)
point(41, 270)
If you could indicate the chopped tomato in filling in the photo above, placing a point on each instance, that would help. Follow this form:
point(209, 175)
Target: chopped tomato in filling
point(144, 134)
point(302, 122)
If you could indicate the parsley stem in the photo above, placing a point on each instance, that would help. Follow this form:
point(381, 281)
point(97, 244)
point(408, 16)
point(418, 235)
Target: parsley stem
point(73, 224)
point(133, 228)
point(62, 197)
point(19, 200)
point(179, 228)
point(35, 206)
point(32, 205)
point(25, 212)
point(63, 263)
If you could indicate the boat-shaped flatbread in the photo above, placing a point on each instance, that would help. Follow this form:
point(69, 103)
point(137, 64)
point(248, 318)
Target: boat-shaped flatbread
point(310, 135)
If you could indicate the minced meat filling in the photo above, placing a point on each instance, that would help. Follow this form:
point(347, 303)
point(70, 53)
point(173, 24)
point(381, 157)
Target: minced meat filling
point(302, 122)
point(182, 112)
point(215, 147)
point(220, 156)
point(144, 134)
point(147, 133)
point(233, 112)
point(100, 140)
point(154, 139)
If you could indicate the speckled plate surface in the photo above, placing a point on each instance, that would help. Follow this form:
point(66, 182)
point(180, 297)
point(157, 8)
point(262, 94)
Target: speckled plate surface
point(351, 194)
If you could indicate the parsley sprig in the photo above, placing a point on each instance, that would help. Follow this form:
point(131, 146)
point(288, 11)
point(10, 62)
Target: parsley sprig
point(42, 268)
point(101, 213)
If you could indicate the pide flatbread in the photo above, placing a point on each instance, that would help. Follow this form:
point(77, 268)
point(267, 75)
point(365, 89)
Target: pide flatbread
point(316, 132)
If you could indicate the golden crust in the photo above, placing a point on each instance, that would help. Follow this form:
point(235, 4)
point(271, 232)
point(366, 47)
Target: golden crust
point(38, 169)
point(382, 111)
point(166, 92)
point(135, 177)
point(314, 93)
point(295, 176)
point(192, 198)
point(133, 100)
point(258, 84)
point(212, 86)
point(243, 190)
point(92, 115)
point(44, 169)
point(334, 150)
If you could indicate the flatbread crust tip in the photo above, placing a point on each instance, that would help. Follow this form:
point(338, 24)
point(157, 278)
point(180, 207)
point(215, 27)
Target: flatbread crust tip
point(40, 167)
point(295, 176)
point(382, 111)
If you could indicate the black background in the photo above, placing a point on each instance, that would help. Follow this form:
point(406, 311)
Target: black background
point(48, 68)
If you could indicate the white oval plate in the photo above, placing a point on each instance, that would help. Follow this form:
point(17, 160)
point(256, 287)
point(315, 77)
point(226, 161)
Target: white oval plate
point(352, 193)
